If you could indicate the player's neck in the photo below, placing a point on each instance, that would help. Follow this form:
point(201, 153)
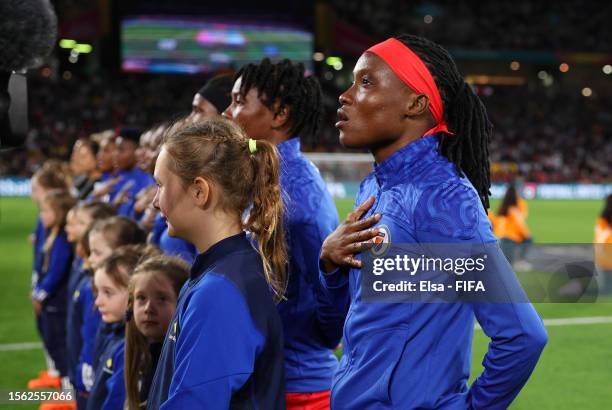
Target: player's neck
point(383, 152)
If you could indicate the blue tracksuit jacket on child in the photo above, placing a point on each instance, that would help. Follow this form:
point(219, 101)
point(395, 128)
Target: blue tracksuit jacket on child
point(224, 345)
point(108, 392)
point(51, 290)
point(52, 283)
point(89, 323)
point(418, 355)
point(74, 318)
point(39, 240)
point(312, 325)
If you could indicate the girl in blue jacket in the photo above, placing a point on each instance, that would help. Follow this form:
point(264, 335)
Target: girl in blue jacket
point(154, 288)
point(224, 345)
point(429, 134)
point(53, 264)
point(52, 175)
point(82, 318)
point(111, 282)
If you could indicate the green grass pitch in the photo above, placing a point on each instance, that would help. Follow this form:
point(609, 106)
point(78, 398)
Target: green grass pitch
point(574, 372)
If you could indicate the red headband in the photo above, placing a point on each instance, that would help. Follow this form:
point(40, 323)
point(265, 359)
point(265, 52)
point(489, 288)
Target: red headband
point(414, 73)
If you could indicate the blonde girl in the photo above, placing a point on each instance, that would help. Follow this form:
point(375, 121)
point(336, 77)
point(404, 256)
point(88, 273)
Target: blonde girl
point(49, 296)
point(209, 174)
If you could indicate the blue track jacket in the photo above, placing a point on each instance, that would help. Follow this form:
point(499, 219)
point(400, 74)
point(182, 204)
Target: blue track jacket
point(224, 345)
point(108, 392)
point(51, 287)
point(74, 318)
point(90, 323)
point(418, 355)
point(39, 240)
point(312, 325)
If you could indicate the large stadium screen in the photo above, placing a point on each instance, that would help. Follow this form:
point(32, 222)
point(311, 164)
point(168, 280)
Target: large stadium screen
point(194, 45)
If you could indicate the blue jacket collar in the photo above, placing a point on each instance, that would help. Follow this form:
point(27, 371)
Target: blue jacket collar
point(117, 328)
point(225, 246)
point(289, 149)
point(404, 162)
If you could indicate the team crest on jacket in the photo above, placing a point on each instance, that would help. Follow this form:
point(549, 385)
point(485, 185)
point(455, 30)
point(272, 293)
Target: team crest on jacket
point(382, 241)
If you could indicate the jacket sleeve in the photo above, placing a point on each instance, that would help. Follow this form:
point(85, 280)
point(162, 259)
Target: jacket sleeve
point(308, 238)
point(89, 328)
point(216, 348)
point(517, 340)
point(336, 285)
point(454, 215)
point(115, 384)
point(57, 271)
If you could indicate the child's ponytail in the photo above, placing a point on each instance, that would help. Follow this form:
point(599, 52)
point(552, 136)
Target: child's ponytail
point(247, 172)
point(265, 219)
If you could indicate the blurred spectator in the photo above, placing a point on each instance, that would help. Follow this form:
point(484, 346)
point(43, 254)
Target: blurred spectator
point(549, 136)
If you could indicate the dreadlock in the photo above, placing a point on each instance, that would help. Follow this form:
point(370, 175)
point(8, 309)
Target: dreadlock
point(285, 83)
point(464, 113)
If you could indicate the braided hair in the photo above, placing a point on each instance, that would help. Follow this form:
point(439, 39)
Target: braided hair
point(285, 83)
point(464, 113)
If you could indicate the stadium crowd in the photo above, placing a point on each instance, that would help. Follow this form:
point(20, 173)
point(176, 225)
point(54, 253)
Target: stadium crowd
point(510, 25)
point(561, 137)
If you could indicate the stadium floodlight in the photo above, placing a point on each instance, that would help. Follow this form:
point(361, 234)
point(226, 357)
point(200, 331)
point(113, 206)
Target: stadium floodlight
point(67, 43)
point(83, 48)
point(332, 61)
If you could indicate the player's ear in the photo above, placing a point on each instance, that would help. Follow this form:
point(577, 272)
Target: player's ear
point(416, 105)
point(281, 115)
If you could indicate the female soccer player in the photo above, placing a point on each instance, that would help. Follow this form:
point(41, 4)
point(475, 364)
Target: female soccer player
point(428, 133)
point(279, 104)
point(224, 345)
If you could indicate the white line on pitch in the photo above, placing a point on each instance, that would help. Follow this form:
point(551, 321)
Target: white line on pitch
point(10, 347)
point(570, 321)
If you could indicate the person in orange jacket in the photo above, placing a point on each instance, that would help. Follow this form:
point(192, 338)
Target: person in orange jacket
point(602, 244)
point(510, 227)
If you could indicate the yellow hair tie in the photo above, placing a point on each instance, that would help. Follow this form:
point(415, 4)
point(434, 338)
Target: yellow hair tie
point(252, 146)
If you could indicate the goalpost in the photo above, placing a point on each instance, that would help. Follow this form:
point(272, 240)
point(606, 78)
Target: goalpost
point(342, 171)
